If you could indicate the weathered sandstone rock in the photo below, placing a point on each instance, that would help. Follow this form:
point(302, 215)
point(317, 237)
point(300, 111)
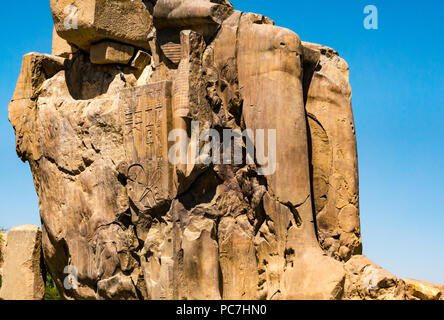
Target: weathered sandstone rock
point(334, 161)
point(118, 287)
point(36, 68)
point(108, 52)
point(269, 59)
point(60, 47)
point(190, 14)
point(22, 272)
point(368, 281)
point(3, 239)
point(201, 16)
point(421, 290)
point(79, 234)
point(141, 60)
point(132, 224)
point(84, 23)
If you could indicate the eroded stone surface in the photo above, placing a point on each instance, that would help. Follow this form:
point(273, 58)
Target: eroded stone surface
point(367, 281)
point(135, 225)
point(421, 290)
point(84, 23)
point(22, 277)
point(108, 52)
point(3, 239)
point(61, 47)
point(141, 60)
point(333, 151)
point(202, 16)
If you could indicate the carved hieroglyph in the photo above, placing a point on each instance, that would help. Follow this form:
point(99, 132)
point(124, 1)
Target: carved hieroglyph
point(147, 112)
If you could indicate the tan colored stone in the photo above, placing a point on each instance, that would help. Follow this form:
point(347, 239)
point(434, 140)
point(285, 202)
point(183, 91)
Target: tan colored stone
point(36, 68)
point(310, 56)
point(157, 260)
point(237, 259)
point(22, 111)
point(195, 13)
point(290, 270)
point(3, 239)
point(280, 218)
point(108, 52)
point(60, 47)
point(22, 272)
point(187, 96)
point(226, 41)
point(349, 219)
point(269, 60)
point(118, 287)
point(333, 146)
point(310, 275)
point(147, 112)
point(141, 60)
point(82, 170)
point(344, 253)
point(421, 290)
point(145, 76)
point(223, 88)
point(367, 281)
point(134, 225)
point(127, 21)
point(201, 259)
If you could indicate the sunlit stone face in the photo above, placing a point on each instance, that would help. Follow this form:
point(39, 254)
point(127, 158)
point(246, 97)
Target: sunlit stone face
point(84, 22)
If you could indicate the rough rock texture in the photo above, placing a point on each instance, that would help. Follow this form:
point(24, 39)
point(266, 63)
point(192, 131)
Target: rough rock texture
point(22, 272)
point(421, 290)
point(141, 60)
point(61, 47)
point(334, 160)
point(178, 13)
point(83, 23)
point(108, 52)
point(269, 60)
point(368, 281)
point(135, 225)
point(3, 239)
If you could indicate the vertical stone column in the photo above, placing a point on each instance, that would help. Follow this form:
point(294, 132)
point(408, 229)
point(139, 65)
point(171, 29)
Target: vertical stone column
point(334, 159)
point(3, 239)
point(22, 271)
point(181, 90)
point(271, 82)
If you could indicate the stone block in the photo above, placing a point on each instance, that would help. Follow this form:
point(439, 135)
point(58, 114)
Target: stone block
point(22, 272)
point(61, 47)
point(141, 60)
point(84, 23)
point(108, 52)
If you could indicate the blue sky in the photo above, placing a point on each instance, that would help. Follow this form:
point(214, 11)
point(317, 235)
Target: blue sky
point(397, 76)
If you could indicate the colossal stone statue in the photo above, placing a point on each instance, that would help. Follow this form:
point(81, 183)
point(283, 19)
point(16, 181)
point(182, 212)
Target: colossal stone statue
point(94, 121)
